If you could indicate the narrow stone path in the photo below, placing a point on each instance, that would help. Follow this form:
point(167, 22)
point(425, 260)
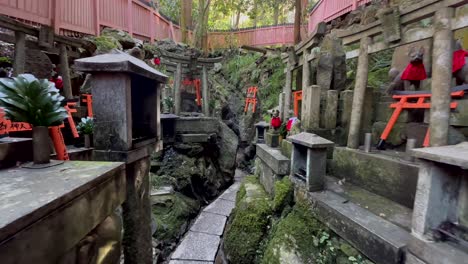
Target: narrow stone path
point(200, 244)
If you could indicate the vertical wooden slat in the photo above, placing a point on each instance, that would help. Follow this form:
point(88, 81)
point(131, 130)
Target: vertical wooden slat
point(130, 16)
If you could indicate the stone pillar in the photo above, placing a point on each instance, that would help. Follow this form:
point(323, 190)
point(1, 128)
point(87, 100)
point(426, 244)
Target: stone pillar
point(435, 200)
point(359, 94)
point(441, 77)
point(65, 72)
point(164, 95)
point(136, 214)
point(306, 70)
point(287, 92)
point(205, 92)
point(20, 53)
point(331, 109)
point(281, 103)
point(311, 107)
point(177, 92)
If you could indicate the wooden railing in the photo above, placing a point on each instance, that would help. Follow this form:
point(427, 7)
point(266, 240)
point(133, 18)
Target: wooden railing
point(327, 10)
point(75, 17)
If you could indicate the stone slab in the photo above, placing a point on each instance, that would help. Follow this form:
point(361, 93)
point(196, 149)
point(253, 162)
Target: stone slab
point(456, 155)
point(189, 262)
point(274, 158)
point(197, 247)
point(262, 124)
point(310, 140)
point(435, 253)
point(197, 125)
point(377, 238)
point(384, 175)
point(209, 223)
point(27, 195)
point(15, 149)
point(221, 207)
point(194, 138)
point(231, 193)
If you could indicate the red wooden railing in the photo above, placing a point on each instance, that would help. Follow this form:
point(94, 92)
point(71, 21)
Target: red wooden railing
point(327, 10)
point(72, 17)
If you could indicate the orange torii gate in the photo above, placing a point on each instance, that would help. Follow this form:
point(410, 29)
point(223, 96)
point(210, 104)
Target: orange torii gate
point(297, 96)
point(251, 98)
point(416, 100)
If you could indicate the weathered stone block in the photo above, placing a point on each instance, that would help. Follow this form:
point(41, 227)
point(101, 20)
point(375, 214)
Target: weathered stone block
point(274, 159)
point(459, 116)
point(272, 139)
point(197, 247)
point(384, 112)
point(194, 138)
point(286, 148)
point(196, 125)
point(380, 174)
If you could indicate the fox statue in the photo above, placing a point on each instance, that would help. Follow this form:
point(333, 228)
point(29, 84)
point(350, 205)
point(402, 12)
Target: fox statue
point(460, 64)
point(412, 75)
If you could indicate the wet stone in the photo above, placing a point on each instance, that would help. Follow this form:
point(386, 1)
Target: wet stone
point(209, 223)
point(221, 207)
point(197, 247)
point(231, 193)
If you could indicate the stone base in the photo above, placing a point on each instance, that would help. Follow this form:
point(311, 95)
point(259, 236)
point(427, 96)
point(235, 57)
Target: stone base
point(421, 252)
point(271, 165)
point(272, 139)
point(381, 174)
point(286, 148)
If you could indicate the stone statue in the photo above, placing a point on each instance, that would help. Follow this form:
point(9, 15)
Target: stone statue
point(414, 73)
point(275, 120)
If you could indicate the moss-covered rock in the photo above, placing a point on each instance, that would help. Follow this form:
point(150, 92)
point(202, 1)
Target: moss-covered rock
point(284, 192)
point(105, 44)
point(125, 40)
point(248, 223)
point(301, 238)
point(171, 213)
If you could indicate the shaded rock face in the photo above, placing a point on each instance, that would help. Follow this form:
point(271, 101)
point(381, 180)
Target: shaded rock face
point(331, 66)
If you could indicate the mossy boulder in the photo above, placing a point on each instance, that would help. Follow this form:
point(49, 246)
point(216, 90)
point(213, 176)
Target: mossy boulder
point(105, 44)
point(125, 40)
point(171, 213)
point(300, 238)
point(249, 223)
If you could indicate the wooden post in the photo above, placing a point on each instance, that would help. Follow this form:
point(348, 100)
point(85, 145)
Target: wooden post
point(205, 92)
point(130, 17)
point(287, 92)
point(65, 72)
point(177, 92)
point(20, 53)
point(441, 77)
point(359, 94)
point(97, 21)
point(56, 10)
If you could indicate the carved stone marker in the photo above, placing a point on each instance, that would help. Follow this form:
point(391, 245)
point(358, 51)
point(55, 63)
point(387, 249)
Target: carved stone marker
point(260, 129)
point(309, 159)
point(126, 106)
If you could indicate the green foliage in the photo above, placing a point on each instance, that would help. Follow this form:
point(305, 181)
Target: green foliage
point(284, 192)
point(86, 126)
point(105, 44)
point(5, 60)
point(27, 99)
point(169, 102)
point(379, 66)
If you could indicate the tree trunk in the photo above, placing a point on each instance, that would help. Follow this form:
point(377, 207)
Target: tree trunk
point(205, 26)
point(255, 13)
point(297, 22)
point(198, 39)
point(238, 14)
point(276, 13)
point(185, 19)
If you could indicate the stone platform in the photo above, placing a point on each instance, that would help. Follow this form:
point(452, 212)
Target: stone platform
point(382, 174)
point(272, 165)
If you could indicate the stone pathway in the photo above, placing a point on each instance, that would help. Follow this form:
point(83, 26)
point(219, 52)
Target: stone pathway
point(200, 245)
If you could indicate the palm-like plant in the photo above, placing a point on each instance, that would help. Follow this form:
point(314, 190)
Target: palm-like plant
point(27, 99)
point(37, 102)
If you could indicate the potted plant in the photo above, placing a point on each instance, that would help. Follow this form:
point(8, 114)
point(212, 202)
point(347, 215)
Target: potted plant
point(37, 102)
point(86, 128)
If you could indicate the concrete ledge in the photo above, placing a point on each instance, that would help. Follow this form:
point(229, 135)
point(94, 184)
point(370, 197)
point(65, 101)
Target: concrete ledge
point(434, 253)
point(196, 125)
point(377, 238)
point(194, 138)
point(383, 175)
point(274, 159)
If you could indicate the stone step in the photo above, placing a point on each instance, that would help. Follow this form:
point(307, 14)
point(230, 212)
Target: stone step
point(377, 172)
point(381, 240)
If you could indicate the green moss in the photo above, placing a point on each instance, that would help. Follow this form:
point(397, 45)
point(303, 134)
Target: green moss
point(249, 223)
point(105, 44)
point(302, 237)
point(171, 213)
point(284, 192)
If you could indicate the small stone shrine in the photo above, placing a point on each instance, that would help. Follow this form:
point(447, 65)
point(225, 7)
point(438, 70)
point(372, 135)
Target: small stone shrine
point(126, 103)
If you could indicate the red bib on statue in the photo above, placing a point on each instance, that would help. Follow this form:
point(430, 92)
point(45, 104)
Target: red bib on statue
point(414, 72)
point(275, 122)
point(459, 59)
